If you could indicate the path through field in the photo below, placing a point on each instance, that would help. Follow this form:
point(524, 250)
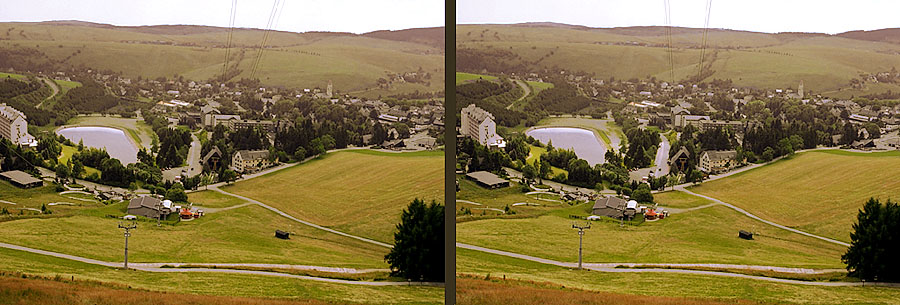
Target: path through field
point(672, 268)
point(526, 93)
point(53, 86)
point(216, 268)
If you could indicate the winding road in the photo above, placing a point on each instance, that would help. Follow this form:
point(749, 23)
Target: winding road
point(525, 89)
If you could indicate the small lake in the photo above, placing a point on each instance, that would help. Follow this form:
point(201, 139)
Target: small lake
point(586, 145)
point(113, 140)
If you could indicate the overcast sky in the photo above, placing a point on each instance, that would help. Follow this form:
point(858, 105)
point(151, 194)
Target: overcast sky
point(825, 16)
point(356, 16)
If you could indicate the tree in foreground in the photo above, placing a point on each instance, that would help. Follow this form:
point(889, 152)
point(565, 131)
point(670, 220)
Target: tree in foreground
point(874, 243)
point(418, 252)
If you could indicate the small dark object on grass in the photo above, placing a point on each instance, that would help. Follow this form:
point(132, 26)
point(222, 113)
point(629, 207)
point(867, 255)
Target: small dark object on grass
point(745, 235)
point(282, 234)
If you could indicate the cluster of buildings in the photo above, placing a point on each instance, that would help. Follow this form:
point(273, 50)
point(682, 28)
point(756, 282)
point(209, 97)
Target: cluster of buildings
point(156, 208)
point(621, 209)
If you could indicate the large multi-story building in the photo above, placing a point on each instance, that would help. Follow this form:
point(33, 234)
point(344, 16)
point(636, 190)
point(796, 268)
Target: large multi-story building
point(14, 127)
point(479, 125)
point(245, 161)
point(718, 161)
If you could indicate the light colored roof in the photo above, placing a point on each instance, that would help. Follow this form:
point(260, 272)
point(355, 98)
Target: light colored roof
point(10, 113)
point(719, 155)
point(253, 154)
point(486, 177)
point(20, 177)
point(477, 114)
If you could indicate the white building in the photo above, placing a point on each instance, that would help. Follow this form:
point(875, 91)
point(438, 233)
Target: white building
point(14, 127)
point(479, 125)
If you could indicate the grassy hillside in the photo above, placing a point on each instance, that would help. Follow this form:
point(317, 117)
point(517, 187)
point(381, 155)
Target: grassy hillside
point(358, 192)
point(708, 235)
point(761, 60)
point(242, 235)
point(305, 60)
point(219, 284)
point(818, 192)
point(703, 289)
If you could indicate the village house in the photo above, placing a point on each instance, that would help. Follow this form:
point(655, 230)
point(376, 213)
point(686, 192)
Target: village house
point(614, 207)
point(718, 161)
point(148, 206)
point(245, 161)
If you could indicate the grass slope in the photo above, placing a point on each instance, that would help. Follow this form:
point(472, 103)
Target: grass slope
point(713, 288)
point(353, 63)
point(218, 284)
point(243, 235)
point(818, 192)
point(761, 60)
point(358, 192)
point(703, 236)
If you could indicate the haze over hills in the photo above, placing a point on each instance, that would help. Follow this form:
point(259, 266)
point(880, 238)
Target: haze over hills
point(826, 63)
point(353, 62)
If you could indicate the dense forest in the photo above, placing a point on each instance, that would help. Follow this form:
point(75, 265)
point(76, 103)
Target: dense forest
point(493, 97)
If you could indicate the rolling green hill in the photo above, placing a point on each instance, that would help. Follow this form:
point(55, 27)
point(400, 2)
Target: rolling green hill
point(354, 63)
point(825, 63)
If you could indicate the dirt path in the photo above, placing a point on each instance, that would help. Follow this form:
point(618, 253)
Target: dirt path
point(53, 86)
point(742, 211)
point(157, 267)
point(668, 268)
point(525, 88)
point(285, 215)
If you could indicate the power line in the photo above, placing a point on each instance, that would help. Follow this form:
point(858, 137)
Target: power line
point(667, 6)
point(269, 26)
point(230, 34)
point(704, 39)
point(581, 229)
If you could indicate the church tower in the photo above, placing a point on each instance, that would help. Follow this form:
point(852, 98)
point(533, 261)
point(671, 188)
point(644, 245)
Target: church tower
point(328, 90)
point(800, 89)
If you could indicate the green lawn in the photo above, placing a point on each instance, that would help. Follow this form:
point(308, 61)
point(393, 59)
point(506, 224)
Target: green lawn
point(218, 283)
point(35, 197)
point(243, 235)
point(358, 192)
point(681, 200)
point(535, 155)
point(462, 77)
point(500, 199)
point(66, 155)
point(11, 75)
point(708, 235)
point(213, 199)
point(678, 285)
point(817, 192)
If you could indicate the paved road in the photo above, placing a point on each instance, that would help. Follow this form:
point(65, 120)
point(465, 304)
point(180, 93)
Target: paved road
point(193, 167)
point(662, 157)
point(156, 267)
point(611, 267)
